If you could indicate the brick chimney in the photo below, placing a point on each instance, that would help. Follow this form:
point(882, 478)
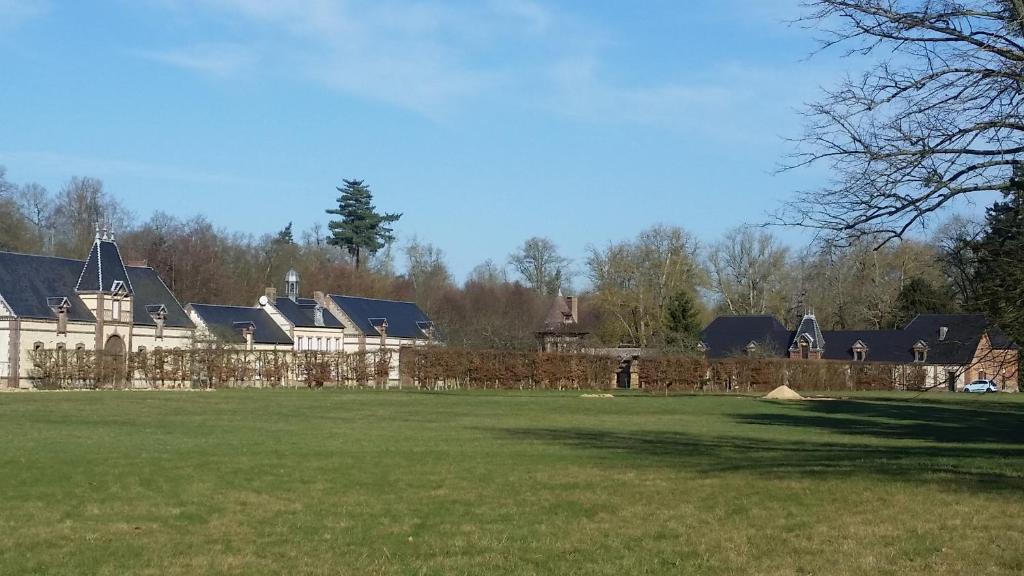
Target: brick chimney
point(574, 308)
point(271, 294)
point(319, 298)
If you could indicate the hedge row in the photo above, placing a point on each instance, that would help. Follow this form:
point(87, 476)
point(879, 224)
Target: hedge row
point(438, 367)
point(206, 367)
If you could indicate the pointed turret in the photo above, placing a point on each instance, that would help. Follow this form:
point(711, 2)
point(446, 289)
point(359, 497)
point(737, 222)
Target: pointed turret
point(104, 270)
point(807, 341)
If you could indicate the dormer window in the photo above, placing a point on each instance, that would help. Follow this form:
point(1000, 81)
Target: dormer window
point(427, 328)
point(158, 313)
point(381, 325)
point(751, 348)
point(702, 348)
point(61, 306)
point(921, 352)
point(860, 351)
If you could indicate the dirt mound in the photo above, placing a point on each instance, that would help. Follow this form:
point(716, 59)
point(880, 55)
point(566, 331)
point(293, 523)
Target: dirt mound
point(783, 393)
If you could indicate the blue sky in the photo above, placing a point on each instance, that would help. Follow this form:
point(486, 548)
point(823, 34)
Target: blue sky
point(485, 121)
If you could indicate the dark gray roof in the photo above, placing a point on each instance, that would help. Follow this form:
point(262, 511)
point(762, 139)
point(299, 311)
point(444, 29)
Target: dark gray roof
point(31, 284)
point(150, 294)
point(729, 336)
point(103, 268)
point(302, 313)
point(27, 282)
point(882, 345)
point(226, 322)
point(962, 337)
point(405, 319)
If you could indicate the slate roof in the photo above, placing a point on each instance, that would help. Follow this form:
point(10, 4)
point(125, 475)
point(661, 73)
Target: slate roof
point(103, 268)
point(729, 336)
point(27, 281)
point(151, 293)
point(301, 313)
point(809, 326)
point(226, 322)
point(30, 283)
point(405, 319)
point(882, 345)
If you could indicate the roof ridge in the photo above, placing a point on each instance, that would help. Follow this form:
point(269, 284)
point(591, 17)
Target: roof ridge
point(374, 299)
point(15, 253)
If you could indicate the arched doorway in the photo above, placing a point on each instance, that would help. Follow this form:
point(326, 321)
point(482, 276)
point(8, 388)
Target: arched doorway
point(114, 362)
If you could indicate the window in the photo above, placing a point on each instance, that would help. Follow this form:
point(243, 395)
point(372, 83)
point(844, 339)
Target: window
point(142, 349)
point(116, 309)
point(860, 351)
point(921, 352)
point(319, 344)
point(805, 351)
point(38, 346)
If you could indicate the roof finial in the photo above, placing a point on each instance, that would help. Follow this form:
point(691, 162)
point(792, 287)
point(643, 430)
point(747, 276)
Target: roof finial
point(97, 229)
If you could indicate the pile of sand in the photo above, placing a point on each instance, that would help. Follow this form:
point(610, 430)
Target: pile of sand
point(596, 396)
point(783, 393)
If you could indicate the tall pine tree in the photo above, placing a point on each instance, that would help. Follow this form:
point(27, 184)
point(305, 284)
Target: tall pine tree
point(361, 230)
point(999, 275)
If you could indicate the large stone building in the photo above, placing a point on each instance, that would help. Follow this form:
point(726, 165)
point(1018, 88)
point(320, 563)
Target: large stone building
point(953, 349)
point(97, 304)
point(323, 323)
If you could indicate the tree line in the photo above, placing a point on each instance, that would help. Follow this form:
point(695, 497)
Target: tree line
point(655, 290)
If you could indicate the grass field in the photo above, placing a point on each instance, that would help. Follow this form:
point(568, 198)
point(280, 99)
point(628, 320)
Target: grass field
point(335, 482)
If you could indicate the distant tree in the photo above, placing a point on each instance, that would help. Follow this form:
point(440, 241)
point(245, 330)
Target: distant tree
point(285, 236)
point(426, 269)
point(749, 272)
point(937, 117)
point(79, 207)
point(919, 296)
point(957, 239)
point(6, 188)
point(541, 266)
point(361, 229)
point(16, 232)
point(682, 321)
point(37, 207)
point(634, 281)
point(999, 276)
point(487, 272)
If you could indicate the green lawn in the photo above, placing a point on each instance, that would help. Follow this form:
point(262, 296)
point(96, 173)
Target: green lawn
point(337, 482)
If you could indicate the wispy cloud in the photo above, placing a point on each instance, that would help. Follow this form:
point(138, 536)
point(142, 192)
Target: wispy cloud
point(211, 59)
point(581, 92)
point(16, 12)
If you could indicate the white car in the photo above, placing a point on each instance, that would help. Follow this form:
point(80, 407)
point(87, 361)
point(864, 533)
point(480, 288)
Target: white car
point(982, 386)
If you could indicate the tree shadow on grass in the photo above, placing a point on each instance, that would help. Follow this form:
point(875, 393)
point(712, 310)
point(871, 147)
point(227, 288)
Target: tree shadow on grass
point(931, 421)
point(905, 443)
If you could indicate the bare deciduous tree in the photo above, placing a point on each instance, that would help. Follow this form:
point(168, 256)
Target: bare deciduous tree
point(633, 282)
point(541, 266)
point(937, 117)
point(749, 271)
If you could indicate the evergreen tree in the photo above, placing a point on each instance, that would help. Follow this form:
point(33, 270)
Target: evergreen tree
point(285, 236)
point(682, 322)
point(919, 296)
point(361, 230)
point(999, 275)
